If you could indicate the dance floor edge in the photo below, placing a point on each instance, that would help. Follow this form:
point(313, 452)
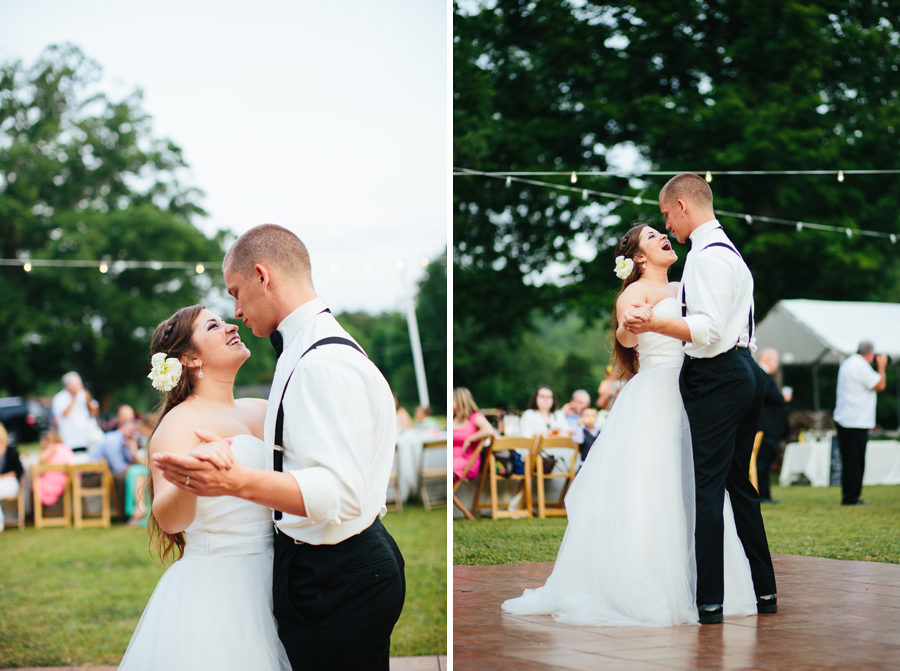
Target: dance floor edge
point(832, 614)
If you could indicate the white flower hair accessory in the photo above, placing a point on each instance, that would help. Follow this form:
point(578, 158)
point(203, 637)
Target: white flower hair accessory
point(164, 372)
point(623, 267)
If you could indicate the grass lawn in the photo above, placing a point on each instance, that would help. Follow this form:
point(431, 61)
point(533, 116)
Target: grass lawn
point(808, 521)
point(72, 597)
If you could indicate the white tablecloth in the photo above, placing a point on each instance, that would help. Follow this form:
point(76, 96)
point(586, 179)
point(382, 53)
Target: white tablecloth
point(813, 459)
point(408, 459)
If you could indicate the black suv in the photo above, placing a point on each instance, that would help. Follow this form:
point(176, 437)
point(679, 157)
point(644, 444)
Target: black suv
point(24, 419)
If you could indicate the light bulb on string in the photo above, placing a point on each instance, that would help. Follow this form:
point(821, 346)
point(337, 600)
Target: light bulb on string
point(425, 262)
point(748, 219)
point(199, 269)
point(799, 226)
point(574, 178)
point(840, 175)
point(849, 233)
point(893, 239)
point(104, 268)
point(508, 181)
point(708, 176)
point(638, 200)
point(27, 266)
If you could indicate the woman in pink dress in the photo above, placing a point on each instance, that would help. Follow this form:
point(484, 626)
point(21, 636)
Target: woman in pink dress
point(53, 451)
point(469, 427)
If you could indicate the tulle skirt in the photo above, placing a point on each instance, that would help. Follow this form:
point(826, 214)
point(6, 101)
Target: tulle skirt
point(210, 613)
point(627, 557)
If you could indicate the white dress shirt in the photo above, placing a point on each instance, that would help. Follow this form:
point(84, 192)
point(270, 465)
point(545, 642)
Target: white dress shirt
point(719, 290)
point(856, 396)
point(339, 429)
point(73, 428)
point(532, 423)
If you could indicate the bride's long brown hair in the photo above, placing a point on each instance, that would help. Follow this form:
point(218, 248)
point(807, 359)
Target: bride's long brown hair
point(624, 359)
point(173, 337)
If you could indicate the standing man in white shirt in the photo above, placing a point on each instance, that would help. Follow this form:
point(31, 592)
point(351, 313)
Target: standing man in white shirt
point(854, 414)
point(722, 389)
point(338, 582)
point(71, 409)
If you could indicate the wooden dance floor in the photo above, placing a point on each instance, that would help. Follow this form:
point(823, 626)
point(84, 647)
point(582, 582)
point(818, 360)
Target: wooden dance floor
point(832, 614)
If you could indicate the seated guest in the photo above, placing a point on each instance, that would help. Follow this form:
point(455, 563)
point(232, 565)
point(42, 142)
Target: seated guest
point(404, 421)
point(587, 431)
point(542, 417)
point(469, 427)
point(53, 451)
point(572, 410)
point(137, 495)
point(608, 390)
point(422, 418)
point(10, 471)
point(118, 447)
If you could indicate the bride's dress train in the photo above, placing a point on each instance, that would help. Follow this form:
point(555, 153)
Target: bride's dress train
point(627, 558)
point(212, 609)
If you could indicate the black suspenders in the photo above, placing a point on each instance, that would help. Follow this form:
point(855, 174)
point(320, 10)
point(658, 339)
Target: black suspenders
point(279, 419)
point(684, 290)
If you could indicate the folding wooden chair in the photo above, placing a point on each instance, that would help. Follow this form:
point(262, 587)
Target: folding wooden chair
point(40, 521)
point(475, 454)
point(433, 472)
point(19, 501)
point(80, 492)
point(757, 441)
point(555, 443)
point(501, 444)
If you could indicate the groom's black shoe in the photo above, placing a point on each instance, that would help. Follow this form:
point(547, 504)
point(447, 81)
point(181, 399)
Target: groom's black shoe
point(767, 604)
point(711, 614)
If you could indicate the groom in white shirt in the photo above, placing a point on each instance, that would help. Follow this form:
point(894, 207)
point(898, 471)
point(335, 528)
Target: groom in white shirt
point(338, 582)
point(722, 389)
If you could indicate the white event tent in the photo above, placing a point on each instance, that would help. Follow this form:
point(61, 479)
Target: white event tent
point(808, 332)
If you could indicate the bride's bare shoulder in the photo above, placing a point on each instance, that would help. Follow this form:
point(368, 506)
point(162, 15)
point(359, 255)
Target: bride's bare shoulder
point(175, 432)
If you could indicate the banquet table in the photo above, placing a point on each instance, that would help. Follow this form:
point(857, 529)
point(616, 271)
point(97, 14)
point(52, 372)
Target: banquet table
point(408, 458)
point(813, 460)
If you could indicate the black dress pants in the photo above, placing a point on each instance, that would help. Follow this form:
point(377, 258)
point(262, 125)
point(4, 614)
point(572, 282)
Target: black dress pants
point(336, 605)
point(852, 443)
point(723, 399)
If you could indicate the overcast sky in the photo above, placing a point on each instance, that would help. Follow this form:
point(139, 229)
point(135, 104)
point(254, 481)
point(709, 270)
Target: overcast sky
point(329, 118)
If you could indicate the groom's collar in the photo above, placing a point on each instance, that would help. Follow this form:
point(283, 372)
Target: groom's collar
point(703, 230)
point(295, 322)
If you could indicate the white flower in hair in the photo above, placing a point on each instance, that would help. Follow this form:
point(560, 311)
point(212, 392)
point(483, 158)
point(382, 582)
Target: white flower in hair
point(164, 372)
point(623, 267)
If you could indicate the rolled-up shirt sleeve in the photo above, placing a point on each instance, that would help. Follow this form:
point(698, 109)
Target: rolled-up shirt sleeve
point(336, 429)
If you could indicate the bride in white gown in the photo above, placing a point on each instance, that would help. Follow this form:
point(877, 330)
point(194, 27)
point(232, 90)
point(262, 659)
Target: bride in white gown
point(212, 609)
point(627, 557)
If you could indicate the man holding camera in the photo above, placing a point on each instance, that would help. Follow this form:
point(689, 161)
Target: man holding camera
point(854, 415)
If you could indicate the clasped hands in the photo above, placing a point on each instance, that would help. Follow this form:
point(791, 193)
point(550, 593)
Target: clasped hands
point(209, 470)
point(639, 319)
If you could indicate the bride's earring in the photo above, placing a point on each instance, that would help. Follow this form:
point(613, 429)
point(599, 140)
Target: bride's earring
point(643, 267)
point(200, 373)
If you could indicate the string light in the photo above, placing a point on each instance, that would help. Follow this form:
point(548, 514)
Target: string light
point(708, 177)
point(27, 267)
point(638, 200)
point(104, 268)
point(574, 178)
point(400, 265)
point(663, 173)
point(721, 213)
point(425, 262)
point(840, 175)
point(799, 226)
point(508, 181)
point(199, 268)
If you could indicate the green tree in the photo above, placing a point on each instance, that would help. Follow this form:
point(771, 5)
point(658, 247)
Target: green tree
point(715, 85)
point(83, 179)
point(719, 85)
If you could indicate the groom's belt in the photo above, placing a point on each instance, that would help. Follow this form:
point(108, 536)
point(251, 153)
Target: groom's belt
point(736, 348)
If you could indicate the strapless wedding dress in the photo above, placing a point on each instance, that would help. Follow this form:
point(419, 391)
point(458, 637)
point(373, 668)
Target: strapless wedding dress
point(212, 609)
point(627, 557)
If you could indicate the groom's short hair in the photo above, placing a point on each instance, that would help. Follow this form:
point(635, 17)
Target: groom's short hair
point(689, 186)
point(273, 245)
